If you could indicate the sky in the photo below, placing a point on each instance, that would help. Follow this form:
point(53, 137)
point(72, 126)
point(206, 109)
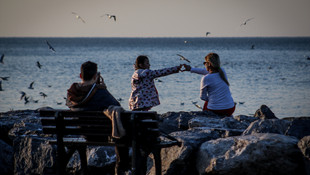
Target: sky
point(154, 18)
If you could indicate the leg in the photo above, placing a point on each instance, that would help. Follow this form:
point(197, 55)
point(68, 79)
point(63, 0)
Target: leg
point(83, 157)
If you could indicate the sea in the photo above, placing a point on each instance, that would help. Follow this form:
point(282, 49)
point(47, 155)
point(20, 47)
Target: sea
point(274, 71)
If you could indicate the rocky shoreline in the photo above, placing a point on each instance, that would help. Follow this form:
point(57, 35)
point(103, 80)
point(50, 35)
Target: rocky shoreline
point(259, 144)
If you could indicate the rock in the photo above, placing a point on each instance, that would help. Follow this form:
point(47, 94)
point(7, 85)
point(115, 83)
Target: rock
point(304, 146)
point(264, 113)
point(268, 126)
point(181, 160)
point(32, 155)
point(6, 158)
point(226, 127)
point(299, 128)
point(178, 121)
point(245, 119)
point(251, 154)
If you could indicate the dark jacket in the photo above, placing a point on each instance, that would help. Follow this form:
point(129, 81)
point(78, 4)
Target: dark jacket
point(94, 97)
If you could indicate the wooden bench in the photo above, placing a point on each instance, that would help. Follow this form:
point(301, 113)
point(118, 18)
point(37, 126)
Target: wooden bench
point(75, 131)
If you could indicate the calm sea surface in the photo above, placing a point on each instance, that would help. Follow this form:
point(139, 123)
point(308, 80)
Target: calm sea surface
point(276, 72)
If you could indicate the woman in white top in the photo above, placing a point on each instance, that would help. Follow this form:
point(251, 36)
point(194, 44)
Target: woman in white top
point(214, 86)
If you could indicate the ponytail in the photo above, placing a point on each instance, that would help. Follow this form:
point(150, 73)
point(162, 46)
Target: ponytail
point(222, 75)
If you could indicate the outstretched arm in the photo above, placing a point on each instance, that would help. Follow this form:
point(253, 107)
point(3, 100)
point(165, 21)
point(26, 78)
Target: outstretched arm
point(202, 71)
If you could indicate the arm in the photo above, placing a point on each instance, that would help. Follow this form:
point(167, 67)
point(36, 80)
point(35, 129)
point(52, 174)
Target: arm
point(160, 72)
point(202, 71)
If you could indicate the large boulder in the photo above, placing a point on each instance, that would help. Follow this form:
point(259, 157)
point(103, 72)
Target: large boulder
point(181, 160)
point(304, 146)
point(256, 154)
point(227, 126)
point(178, 121)
point(32, 155)
point(268, 126)
point(6, 158)
point(299, 127)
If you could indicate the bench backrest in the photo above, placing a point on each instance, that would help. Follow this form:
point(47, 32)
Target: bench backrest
point(94, 124)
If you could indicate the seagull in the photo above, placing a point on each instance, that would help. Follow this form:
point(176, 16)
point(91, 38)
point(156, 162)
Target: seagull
point(4, 78)
point(78, 17)
point(39, 65)
point(23, 95)
point(26, 99)
point(183, 58)
point(1, 59)
point(43, 95)
point(31, 85)
point(195, 103)
point(208, 33)
point(50, 46)
point(244, 23)
point(110, 16)
point(156, 79)
point(253, 46)
point(1, 86)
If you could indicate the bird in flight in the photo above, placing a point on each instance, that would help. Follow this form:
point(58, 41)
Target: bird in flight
point(183, 58)
point(4, 78)
point(208, 33)
point(78, 17)
point(1, 59)
point(31, 85)
point(43, 94)
point(195, 103)
point(39, 65)
point(50, 46)
point(23, 94)
point(244, 23)
point(110, 16)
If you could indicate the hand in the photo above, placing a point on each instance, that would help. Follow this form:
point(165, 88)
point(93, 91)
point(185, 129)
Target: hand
point(187, 67)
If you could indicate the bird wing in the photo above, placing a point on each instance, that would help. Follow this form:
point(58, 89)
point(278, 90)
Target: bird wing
point(79, 17)
point(2, 57)
point(183, 58)
point(248, 20)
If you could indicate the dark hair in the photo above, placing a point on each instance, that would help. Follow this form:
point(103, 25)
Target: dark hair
point(140, 60)
point(214, 59)
point(88, 70)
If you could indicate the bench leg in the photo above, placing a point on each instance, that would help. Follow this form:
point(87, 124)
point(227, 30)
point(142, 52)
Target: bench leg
point(60, 160)
point(156, 154)
point(83, 157)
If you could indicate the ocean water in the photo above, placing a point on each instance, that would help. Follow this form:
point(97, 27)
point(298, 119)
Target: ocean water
point(275, 73)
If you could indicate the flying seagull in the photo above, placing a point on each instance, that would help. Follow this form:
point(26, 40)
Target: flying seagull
point(39, 65)
point(31, 85)
point(23, 94)
point(208, 33)
point(43, 94)
point(78, 17)
point(195, 103)
point(1, 86)
point(244, 23)
point(110, 16)
point(4, 78)
point(183, 58)
point(50, 46)
point(1, 59)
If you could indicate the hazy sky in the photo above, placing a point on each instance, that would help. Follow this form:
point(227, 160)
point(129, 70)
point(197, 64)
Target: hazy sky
point(154, 18)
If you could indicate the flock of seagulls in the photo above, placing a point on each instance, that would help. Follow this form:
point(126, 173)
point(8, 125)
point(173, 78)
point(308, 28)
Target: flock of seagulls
point(27, 99)
point(78, 17)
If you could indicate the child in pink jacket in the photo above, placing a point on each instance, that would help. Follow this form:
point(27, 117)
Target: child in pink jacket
point(144, 94)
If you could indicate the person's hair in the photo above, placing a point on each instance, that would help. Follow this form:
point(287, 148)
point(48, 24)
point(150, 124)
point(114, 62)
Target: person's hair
point(214, 59)
point(88, 70)
point(140, 60)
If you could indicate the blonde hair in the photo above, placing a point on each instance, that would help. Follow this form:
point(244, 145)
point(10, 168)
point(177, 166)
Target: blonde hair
point(215, 62)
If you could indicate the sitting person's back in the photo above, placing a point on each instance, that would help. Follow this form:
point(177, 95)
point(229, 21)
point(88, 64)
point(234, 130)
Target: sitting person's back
point(91, 94)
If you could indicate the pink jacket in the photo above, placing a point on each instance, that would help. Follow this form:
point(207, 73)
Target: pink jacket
point(144, 93)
